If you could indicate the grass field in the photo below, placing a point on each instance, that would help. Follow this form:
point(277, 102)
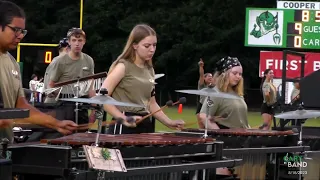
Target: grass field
point(188, 115)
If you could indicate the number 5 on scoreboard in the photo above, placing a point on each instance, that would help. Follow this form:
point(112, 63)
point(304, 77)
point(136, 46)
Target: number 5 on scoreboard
point(298, 27)
point(317, 16)
point(297, 41)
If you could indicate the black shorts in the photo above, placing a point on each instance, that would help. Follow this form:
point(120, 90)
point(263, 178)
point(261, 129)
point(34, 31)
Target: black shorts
point(265, 109)
point(199, 108)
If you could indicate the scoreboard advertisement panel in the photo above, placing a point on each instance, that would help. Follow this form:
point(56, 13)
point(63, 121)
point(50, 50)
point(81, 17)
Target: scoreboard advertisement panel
point(282, 28)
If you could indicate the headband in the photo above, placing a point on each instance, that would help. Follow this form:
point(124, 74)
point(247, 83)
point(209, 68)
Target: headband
point(227, 63)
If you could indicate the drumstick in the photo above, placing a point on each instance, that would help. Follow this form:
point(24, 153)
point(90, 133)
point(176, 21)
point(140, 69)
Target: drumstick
point(128, 123)
point(181, 100)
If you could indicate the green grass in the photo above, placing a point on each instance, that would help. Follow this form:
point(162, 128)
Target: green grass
point(188, 115)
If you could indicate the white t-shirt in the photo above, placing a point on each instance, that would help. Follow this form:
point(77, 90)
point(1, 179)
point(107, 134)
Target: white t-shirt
point(33, 82)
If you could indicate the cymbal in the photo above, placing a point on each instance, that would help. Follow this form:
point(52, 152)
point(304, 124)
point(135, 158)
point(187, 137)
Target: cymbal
point(299, 114)
point(209, 92)
point(51, 90)
point(157, 76)
point(101, 99)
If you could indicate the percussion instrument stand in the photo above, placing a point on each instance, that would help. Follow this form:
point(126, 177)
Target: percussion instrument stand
point(300, 142)
point(99, 115)
point(209, 104)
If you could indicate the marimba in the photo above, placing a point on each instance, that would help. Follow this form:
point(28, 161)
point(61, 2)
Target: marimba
point(255, 147)
point(139, 151)
point(5, 162)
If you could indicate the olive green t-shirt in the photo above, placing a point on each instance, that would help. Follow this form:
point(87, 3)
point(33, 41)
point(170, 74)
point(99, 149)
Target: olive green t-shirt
point(137, 86)
point(201, 86)
point(10, 88)
point(236, 109)
point(269, 87)
point(46, 78)
point(65, 69)
point(295, 93)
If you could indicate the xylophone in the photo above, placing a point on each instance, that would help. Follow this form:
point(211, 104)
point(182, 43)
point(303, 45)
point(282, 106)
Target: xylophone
point(138, 151)
point(5, 162)
point(255, 147)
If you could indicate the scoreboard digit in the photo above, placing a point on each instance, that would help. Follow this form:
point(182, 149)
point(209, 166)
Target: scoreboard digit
point(46, 55)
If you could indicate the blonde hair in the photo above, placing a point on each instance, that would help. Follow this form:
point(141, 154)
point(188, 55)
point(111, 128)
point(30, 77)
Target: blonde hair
point(222, 83)
point(138, 33)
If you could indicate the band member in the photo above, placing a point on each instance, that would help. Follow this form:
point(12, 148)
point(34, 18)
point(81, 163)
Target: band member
point(63, 49)
point(295, 94)
point(204, 81)
point(12, 31)
point(69, 66)
point(269, 93)
point(227, 113)
point(33, 83)
point(131, 79)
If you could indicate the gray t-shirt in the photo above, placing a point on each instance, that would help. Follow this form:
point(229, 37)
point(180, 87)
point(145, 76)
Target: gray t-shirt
point(269, 87)
point(295, 93)
point(10, 88)
point(65, 69)
point(46, 78)
point(201, 86)
point(236, 109)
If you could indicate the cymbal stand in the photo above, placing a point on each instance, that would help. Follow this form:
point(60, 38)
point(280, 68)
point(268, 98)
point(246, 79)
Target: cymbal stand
point(99, 115)
point(300, 142)
point(77, 86)
point(209, 104)
point(300, 133)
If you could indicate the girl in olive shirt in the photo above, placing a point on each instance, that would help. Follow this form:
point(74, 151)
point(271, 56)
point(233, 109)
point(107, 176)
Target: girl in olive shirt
point(131, 79)
point(269, 93)
point(227, 113)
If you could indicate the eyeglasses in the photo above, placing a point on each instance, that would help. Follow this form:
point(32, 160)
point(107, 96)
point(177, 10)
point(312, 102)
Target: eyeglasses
point(18, 31)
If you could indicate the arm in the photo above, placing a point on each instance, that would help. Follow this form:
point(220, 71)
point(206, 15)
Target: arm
point(110, 84)
point(161, 116)
point(92, 91)
point(36, 117)
point(201, 73)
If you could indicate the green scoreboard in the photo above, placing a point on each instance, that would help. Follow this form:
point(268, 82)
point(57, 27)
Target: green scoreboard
point(282, 28)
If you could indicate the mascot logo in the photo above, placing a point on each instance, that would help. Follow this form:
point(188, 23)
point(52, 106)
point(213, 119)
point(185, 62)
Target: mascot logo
point(266, 23)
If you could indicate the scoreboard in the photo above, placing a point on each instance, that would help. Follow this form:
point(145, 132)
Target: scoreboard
point(46, 55)
point(282, 28)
